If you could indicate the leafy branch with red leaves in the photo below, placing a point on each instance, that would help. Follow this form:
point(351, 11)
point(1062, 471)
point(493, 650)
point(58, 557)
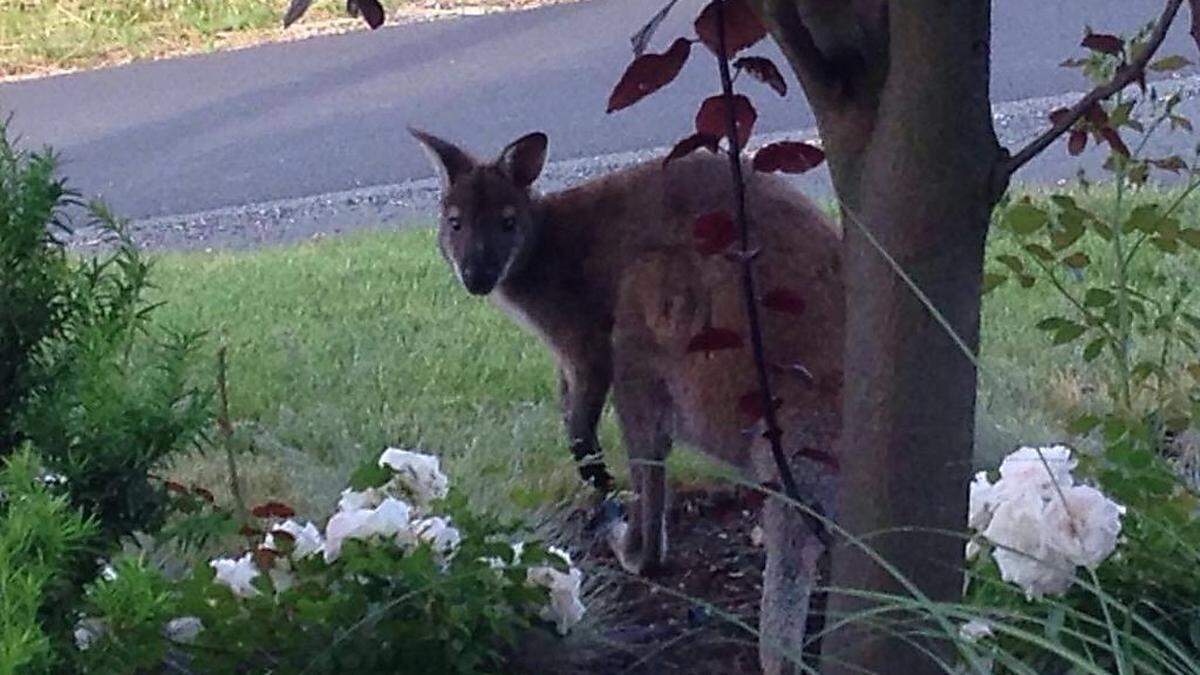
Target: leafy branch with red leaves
point(1086, 115)
point(727, 27)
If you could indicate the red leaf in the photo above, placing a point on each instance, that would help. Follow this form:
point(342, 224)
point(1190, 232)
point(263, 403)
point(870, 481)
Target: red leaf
point(1096, 116)
point(714, 339)
point(788, 157)
point(273, 510)
point(1059, 116)
point(742, 26)
point(690, 144)
point(1077, 142)
point(247, 531)
point(750, 404)
point(372, 12)
point(204, 493)
point(1114, 141)
point(784, 300)
point(713, 117)
point(1174, 163)
point(264, 558)
point(647, 74)
point(714, 232)
point(822, 457)
point(763, 70)
point(1105, 44)
point(178, 488)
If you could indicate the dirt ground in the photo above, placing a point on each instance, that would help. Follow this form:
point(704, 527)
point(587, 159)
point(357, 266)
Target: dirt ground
point(694, 617)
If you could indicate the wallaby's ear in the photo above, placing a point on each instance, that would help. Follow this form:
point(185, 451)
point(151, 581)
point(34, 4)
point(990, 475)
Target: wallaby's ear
point(450, 162)
point(523, 159)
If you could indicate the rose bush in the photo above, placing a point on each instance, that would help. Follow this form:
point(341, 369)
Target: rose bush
point(407, 586)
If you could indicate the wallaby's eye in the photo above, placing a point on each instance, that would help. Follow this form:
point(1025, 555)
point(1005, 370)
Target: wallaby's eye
point(454, 222)
point(509, 223)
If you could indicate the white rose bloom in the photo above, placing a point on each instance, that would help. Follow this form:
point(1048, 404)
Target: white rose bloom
point(974, 629)
point(1084, 528)
point(1021, 553)
point(237, 574)
point(418, 475)
point(307, 538)
point(183, 630)
point(983, 502)
point(565, 608)
point(352, 500)
point(1025, 469)
point(518, 550)
point(88, 632)
point(388, 519)
point(439, 534)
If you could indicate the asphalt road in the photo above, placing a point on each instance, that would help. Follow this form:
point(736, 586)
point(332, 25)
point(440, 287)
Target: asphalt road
point(328, 114)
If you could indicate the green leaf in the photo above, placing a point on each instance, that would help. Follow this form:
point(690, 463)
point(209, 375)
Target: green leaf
point(1069, 333)
point(1068, 232)
point(1084, 425)
point(1012, 262)
point(1102, 229)
point(1077, 260)
point(369, 475)
point(1093, 349)
point(1040, 252)
point(992, 281)
point(1144, 218)
point(1025, 218)
point(1169, 63)
point(1026, 280)
point(1052, 323)
point(1165, 244)
point(1097, 297)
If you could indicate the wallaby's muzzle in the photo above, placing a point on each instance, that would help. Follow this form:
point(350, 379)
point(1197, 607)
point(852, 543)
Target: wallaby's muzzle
point(480, 279)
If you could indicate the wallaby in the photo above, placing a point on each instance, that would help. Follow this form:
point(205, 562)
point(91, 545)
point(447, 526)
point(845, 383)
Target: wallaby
point(608, 275)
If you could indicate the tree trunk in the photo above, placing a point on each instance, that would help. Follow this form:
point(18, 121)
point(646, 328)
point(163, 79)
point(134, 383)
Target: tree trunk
point(908, 131)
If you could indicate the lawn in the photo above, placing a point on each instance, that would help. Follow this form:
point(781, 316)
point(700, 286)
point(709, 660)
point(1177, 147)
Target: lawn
point(340, 346)
point(46, 36)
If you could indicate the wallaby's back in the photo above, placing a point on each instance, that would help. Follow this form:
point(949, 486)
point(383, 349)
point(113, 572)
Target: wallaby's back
point(623, 244)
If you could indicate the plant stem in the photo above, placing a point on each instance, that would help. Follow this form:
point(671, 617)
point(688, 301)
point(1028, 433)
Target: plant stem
point(226, 427)
point(1118, 229)
point(773, 433)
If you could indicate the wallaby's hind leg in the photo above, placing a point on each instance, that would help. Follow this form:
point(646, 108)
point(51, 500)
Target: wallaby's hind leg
point(794, 557)
point(644, 412)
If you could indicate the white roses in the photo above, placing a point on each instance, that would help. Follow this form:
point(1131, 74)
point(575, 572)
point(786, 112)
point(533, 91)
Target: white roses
point(1042, 525)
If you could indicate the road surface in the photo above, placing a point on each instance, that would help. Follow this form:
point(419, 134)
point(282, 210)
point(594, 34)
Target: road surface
point(326, 116)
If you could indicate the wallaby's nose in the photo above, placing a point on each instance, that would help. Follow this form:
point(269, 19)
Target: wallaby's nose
point(478, 281)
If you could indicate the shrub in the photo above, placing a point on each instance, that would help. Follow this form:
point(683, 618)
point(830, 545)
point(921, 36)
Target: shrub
point(387, 587)
point(102, 393)
point(40, 534)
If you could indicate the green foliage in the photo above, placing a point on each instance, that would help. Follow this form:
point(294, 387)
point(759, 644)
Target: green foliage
point(1134, 318)
point(380, 607)
point(40, 537)
point(102, 394)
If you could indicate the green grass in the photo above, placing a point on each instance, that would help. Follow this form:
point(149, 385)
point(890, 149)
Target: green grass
point(341, 346)
point(49, 35)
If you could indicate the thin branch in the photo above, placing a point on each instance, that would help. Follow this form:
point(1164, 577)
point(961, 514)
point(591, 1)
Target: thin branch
point(773, 433)
point(226, 427)
point(1125, 75)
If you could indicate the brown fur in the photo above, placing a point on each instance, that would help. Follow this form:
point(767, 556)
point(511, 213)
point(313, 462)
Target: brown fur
point(607, 275)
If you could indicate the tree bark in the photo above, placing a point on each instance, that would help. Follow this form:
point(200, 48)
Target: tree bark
point(903, 108)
